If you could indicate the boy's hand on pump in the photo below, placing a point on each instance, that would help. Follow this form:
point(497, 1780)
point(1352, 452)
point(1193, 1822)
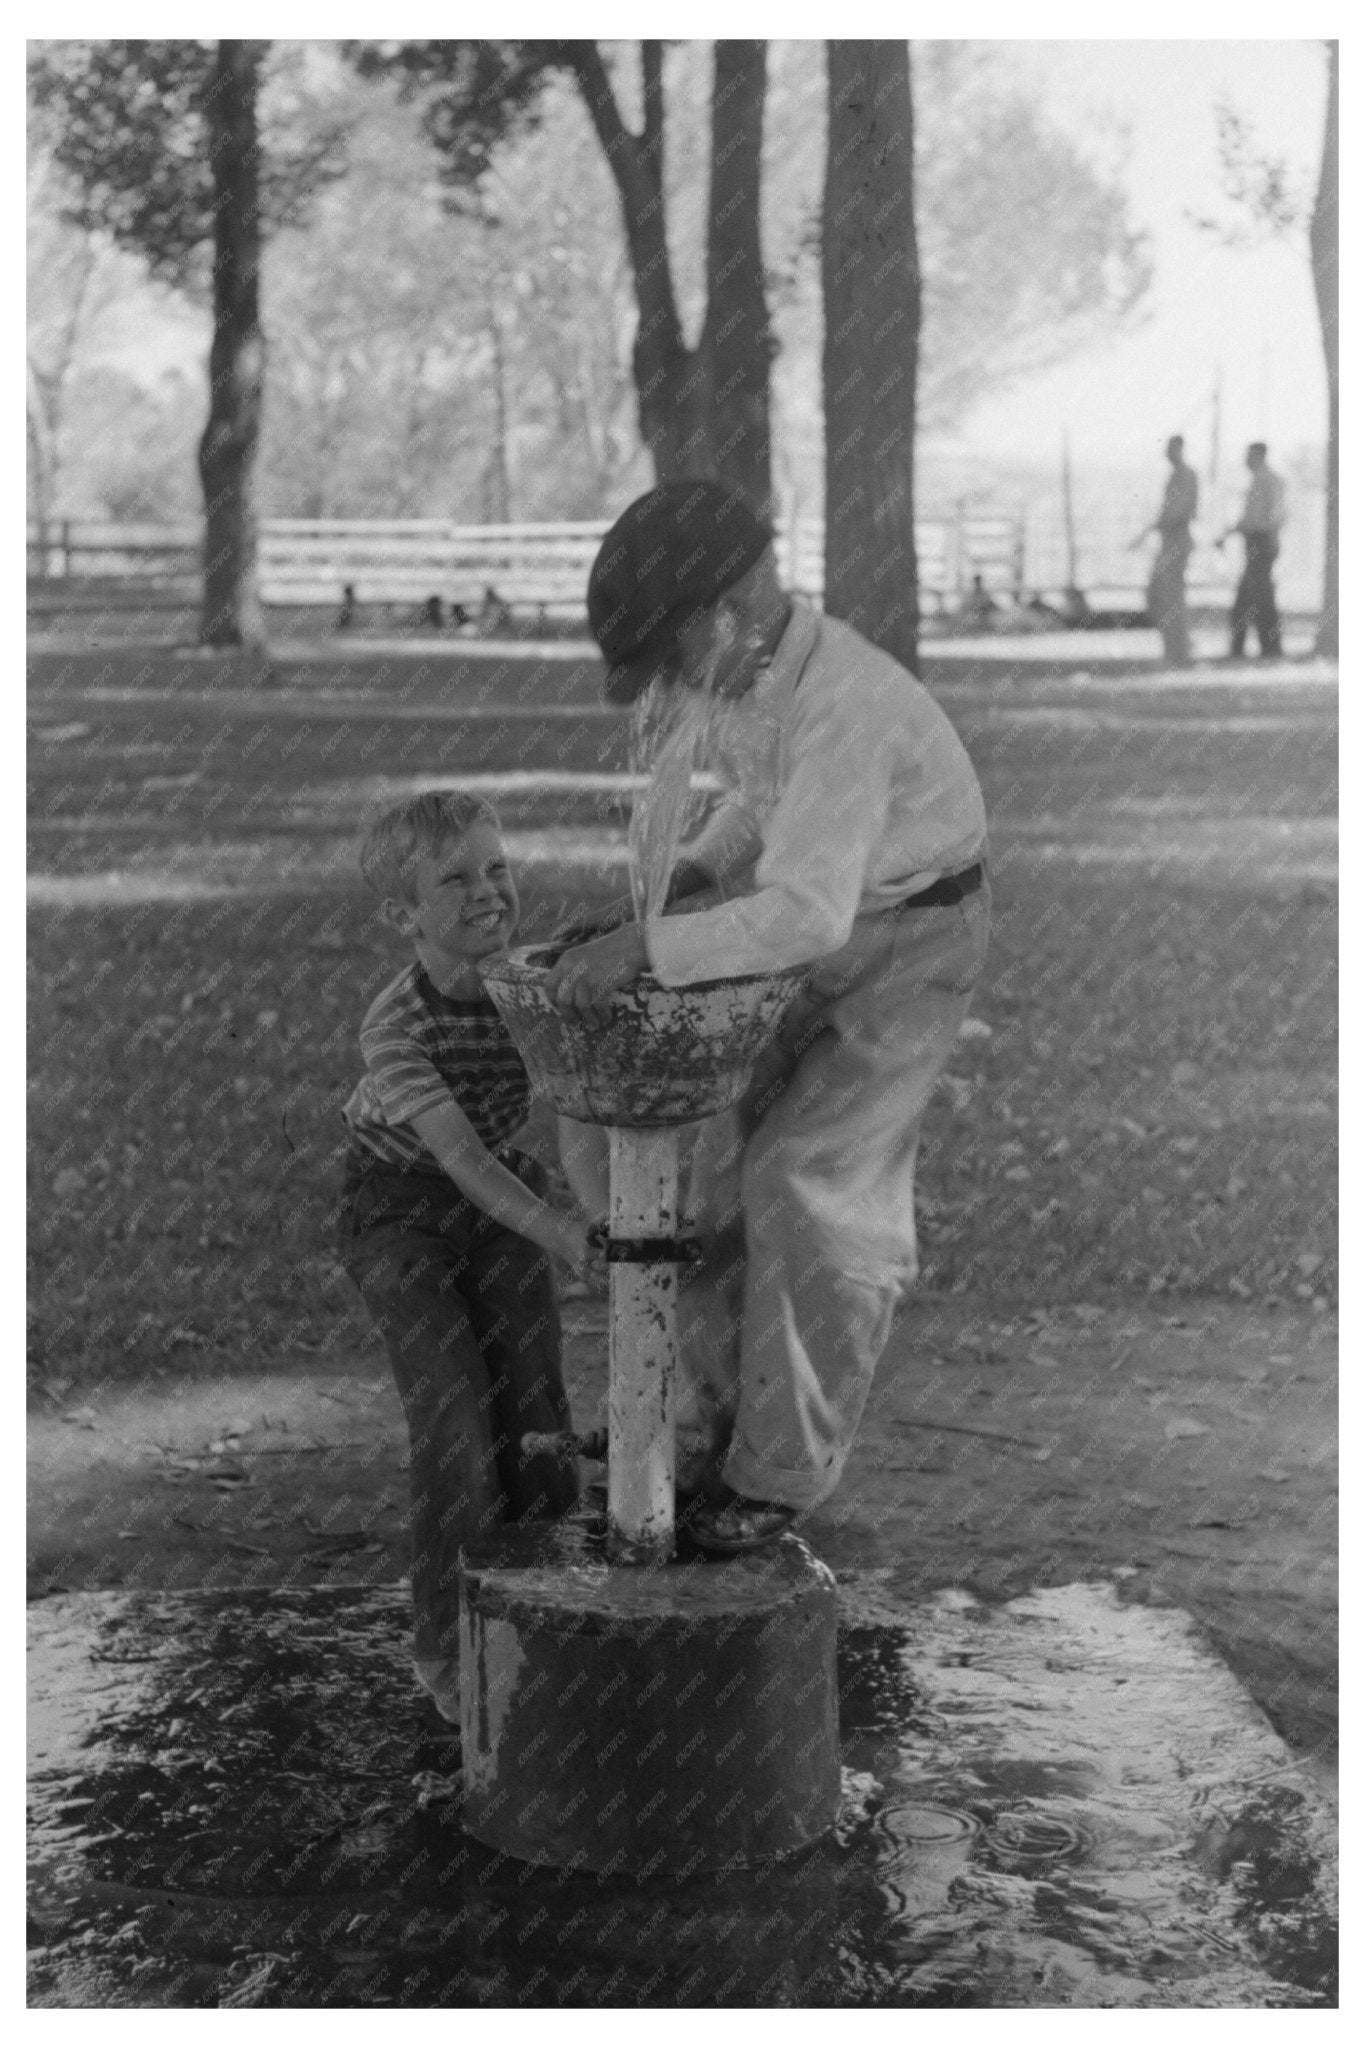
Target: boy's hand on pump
point(596, 1273)
point(583, 1247)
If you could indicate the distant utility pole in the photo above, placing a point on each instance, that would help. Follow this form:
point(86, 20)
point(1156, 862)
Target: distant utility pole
point(1068, 513)
point(1215, 426)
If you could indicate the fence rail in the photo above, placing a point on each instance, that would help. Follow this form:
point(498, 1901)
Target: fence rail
point(541, 569)
point(387, 562)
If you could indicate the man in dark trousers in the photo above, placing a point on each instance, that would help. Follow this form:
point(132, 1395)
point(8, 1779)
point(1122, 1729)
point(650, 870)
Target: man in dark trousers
point(1259, 526)
point(853, 848)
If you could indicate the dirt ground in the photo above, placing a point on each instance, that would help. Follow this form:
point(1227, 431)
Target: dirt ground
point(1190, 1453)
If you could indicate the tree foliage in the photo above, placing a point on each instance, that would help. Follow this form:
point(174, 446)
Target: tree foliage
point(385, 404)
point(1027, 249)
point(474, 96)
point(1268, 194)
point(702, 407)
point(128, 121)
point(73, 280)
point(167, 145)
point(382, 296)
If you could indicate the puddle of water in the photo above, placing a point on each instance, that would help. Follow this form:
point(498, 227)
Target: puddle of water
point(239, 1800)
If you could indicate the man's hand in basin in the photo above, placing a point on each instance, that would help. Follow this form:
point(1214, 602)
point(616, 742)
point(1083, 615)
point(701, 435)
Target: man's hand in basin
point(581, 982)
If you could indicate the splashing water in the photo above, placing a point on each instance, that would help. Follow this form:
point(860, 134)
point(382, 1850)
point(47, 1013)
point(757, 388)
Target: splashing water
point(673, 742)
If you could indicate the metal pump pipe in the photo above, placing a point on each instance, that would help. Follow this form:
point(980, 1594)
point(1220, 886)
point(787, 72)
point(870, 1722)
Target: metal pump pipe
point(643, 1348)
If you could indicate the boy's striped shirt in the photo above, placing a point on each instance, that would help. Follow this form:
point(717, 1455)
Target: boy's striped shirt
point(420, 1049)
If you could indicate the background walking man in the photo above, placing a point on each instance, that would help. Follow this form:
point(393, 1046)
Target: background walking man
point(1166, 586)
point(1259, 526)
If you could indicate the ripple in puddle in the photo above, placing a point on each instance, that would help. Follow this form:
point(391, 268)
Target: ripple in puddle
point(937, 1826)
point(1024, 1839)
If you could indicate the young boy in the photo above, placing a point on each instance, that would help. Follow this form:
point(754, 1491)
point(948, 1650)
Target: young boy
point(443, 1227)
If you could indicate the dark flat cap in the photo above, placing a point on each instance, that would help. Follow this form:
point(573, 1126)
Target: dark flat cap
point(666, 560)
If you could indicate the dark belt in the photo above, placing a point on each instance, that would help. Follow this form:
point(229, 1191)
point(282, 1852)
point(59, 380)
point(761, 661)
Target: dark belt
point(947, 890)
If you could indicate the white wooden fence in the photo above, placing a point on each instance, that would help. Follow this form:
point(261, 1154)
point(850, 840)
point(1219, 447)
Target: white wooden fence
point(387, 563)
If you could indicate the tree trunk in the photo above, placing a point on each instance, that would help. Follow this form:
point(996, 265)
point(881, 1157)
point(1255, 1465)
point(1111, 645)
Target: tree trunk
point(497, 474)
point(232, 615)
point(47, 392)
point(871, 284)
point(42, 443)
point(671, 384)
point(1323, 245)
point(738, 340)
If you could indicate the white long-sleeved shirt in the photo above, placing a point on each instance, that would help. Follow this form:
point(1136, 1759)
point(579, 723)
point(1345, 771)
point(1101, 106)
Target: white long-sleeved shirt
point(1265, 505)
point(855, 792)
point(1179, 501)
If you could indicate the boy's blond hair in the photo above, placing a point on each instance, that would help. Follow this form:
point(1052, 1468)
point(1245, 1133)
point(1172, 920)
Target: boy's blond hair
point(425, 824)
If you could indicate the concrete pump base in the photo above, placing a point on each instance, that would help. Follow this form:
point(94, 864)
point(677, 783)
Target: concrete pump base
point(667, 1719)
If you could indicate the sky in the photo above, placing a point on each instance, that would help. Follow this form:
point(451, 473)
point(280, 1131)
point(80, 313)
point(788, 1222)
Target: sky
point(1250, 311)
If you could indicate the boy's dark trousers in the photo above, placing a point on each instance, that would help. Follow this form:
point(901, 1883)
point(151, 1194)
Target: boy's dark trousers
point(468, 1311)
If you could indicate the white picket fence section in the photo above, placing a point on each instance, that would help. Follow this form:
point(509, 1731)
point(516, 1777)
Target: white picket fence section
point(528, 568)
point(387, 561)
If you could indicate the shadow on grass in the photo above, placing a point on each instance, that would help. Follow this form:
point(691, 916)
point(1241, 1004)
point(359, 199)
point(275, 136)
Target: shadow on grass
point(1143, 1101)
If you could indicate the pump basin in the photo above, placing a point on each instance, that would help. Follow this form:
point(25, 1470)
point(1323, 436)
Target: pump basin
point(667, 1056)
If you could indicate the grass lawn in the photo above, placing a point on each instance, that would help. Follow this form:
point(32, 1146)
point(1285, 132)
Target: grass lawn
point(1120, 1359)
point(1143, 1102)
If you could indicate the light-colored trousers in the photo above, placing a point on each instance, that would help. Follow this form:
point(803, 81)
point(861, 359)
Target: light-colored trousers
point(1166, 596)
point(804, 1201)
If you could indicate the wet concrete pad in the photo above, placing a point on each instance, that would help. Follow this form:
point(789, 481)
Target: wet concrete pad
point(239, 1799)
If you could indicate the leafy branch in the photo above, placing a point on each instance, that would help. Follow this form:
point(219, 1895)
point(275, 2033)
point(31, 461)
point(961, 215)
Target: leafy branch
point(1271, 198)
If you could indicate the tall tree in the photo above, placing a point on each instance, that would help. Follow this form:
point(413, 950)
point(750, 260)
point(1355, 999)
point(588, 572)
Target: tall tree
point(381, 393)
point(1026, 245)
point(378, 403)
point(737, 338)
point(703, 409)
point(71, 285)
point(163, 140)
point(232, 613)
point(871, 284)
point(1271, 198)
point(1322, 239)
point(671, 385)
